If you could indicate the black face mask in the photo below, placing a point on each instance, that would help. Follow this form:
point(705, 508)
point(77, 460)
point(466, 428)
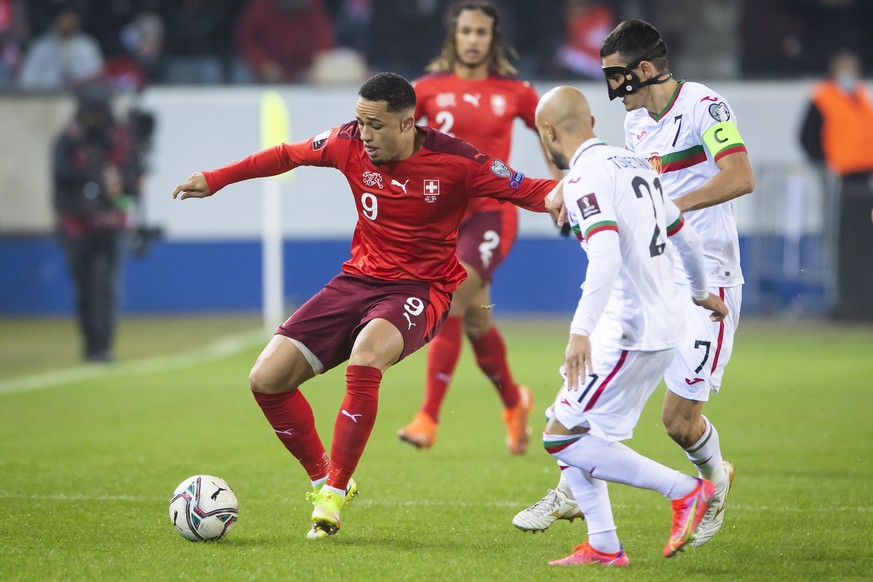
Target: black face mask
point(630, 81)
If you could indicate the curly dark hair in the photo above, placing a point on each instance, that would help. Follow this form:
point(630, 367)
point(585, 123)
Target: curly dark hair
point(498, 61)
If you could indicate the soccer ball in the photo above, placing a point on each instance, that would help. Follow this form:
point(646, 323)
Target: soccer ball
point(203, 507)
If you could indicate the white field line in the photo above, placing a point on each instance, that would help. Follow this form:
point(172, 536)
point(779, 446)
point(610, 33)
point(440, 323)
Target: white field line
point(390, 501)
point(220, 349)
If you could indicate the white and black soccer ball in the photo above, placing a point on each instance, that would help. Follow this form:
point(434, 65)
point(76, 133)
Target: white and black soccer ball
point(203, 507)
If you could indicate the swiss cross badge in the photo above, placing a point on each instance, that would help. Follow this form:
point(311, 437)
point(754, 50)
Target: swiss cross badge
point(431, 191)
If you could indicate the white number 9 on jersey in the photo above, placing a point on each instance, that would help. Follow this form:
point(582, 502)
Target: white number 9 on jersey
point(369, 205)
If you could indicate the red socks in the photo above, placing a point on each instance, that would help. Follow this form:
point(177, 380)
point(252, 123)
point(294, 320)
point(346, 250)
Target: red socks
point(291, 417)
point(443, 353)
point(442, 357)
point(491, 357)
point(354, 423)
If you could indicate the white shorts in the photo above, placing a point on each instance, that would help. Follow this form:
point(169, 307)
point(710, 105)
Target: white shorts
point(706, 348)
point(611, 401)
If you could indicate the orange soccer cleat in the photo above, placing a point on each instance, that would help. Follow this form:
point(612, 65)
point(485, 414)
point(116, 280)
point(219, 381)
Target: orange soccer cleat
point(515, 419)
point(421, 432)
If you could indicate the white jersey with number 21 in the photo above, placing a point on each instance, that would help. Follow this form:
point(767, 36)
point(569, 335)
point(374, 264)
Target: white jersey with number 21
point(609, 189)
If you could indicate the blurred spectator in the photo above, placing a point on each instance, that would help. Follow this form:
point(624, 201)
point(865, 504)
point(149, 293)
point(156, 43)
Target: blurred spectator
point(351, 19)
point(702, 36)
point(13, 34)
point(404, 34)
point(786, 38)
point(63, 57)
point(346, 64)
point(771, 38)
point(836, 131)
point(95, 174)
point(143, 62)
point(197, 46)
point(534, 32)
point(105, 20)
point(586, 25)
point(836, 23)
point(279, 39)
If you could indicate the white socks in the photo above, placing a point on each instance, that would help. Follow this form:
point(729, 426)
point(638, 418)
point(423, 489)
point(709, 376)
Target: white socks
point(613, 461)
point(706, 454)
point(593, 496)
point(563, 486)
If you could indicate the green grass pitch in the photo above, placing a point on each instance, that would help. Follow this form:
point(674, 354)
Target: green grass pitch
point(90, 455)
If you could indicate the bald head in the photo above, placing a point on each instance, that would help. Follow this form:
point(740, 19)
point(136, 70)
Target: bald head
point(565, 108)
point(564, 122)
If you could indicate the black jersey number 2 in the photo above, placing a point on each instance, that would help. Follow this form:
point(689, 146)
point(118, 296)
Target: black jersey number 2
point(657, 246)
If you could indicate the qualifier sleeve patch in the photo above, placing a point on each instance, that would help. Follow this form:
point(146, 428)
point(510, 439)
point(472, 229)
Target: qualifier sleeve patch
point(320, 140)
point(588, 205)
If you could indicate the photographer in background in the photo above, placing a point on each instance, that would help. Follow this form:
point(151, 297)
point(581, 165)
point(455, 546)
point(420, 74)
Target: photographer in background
point(96, 173)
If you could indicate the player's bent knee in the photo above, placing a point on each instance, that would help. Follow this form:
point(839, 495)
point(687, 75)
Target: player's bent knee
point(477, 326)
point(269, 379)
point(262, 382)
point(372, 359)
point(683, 433)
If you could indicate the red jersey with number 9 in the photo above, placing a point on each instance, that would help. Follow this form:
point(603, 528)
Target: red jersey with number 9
point(408, 210)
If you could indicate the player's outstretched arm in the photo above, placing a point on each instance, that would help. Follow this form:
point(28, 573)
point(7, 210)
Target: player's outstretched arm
point(195, 187)
point(715, 305)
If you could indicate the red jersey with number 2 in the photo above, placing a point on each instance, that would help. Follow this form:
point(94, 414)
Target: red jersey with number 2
point(478, 111)
point(408, 210)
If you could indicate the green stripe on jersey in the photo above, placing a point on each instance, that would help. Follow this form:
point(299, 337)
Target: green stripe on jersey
point(684, 159)
point(598, 226)
point(577, 231)
point(677, 224)
point(692, 152)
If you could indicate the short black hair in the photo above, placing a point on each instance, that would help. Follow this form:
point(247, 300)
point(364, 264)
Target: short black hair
point(389, 87)
point(636, 40)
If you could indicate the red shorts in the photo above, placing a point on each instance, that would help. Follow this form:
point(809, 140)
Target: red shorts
point(484, 239)
point(330, 321)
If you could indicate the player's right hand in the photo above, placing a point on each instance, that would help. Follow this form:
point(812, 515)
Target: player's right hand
point(555, 204)
point(195, 187)
point(715, 305)
point(577, 361)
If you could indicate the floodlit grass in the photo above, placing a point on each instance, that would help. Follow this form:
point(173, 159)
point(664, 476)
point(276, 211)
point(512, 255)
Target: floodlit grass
point(90, 455)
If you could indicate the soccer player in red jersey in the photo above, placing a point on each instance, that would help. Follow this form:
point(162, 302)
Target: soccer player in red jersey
point(472, 94)
point(411, 186)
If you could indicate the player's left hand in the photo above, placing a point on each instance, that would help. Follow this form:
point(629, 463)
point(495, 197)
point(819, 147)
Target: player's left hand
point(577, 361)
point(195, 187)
point(715, 305)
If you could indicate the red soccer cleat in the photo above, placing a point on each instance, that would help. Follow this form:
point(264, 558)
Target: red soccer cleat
point(585, 554)
point(688, 511)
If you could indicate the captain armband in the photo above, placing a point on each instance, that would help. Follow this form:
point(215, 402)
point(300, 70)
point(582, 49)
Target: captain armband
point(723, 139)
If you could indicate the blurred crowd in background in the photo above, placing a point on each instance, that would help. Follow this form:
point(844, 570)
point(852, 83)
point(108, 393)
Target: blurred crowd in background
point(51, 45)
